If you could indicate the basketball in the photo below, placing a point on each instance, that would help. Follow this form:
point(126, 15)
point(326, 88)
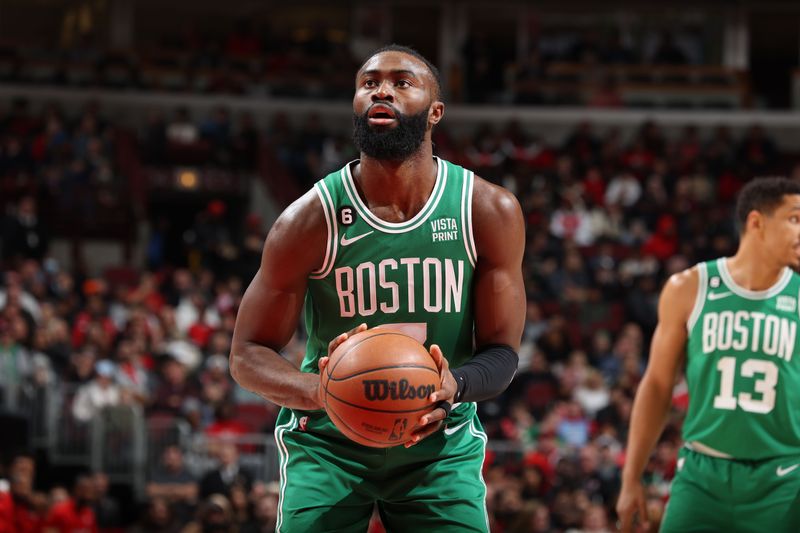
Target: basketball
point(376, 387)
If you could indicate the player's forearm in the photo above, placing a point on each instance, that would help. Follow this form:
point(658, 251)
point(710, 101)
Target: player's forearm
point(263, 371)
point(649, 415)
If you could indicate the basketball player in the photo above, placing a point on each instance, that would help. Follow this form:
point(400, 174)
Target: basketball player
point(398, 236)
point(732, 323)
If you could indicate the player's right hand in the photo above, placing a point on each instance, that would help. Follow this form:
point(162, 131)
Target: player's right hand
point(323, 361)
point(631, 502)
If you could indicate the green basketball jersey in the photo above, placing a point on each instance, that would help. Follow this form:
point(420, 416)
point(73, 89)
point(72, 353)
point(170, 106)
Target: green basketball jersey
point(744, 384)
point(378, 272)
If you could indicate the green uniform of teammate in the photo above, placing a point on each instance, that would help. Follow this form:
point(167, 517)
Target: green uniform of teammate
point(736, 321)
point(397, 238)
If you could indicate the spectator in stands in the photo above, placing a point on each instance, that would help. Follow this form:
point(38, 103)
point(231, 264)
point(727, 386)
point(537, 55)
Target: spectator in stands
point(24, 235)
point(75, 513)
point(99, 393)
point(215, 514)
point(265, 512)
point(81, 368)
point(216, 383)
point(157, 518)
point(18, 512)
point(173, 484)
point(229, 473)
point(174, 389)
point(106, 509)
point(132, 377)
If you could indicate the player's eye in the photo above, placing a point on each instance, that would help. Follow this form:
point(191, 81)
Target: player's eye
point(404, 83)
point(370, 83)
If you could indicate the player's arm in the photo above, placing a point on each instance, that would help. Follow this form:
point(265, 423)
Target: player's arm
point(271, 305)
point(499, 293)
point(654, 396)
point(499, 304)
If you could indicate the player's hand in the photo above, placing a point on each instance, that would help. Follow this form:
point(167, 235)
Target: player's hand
point(431, 422)
point(631, 501)
point(323, 361)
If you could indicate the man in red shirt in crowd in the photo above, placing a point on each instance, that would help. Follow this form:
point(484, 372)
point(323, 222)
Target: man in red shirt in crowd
point(17, 512)
point(74, 515)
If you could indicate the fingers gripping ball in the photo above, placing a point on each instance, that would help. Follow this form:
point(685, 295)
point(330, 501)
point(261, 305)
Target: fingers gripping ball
point(377, 385)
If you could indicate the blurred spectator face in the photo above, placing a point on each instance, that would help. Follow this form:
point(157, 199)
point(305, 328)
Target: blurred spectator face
point(83, 361)
point(58, 494)
point(101, 483)
point(174, 372)
point(219, 343)
point(84, 491)
point(595, 519)
point(228, 454)
point(19, 329)
point(125, 351)
point(588, 458)
point(172, 458)
point(158, 513)
point(23, 466)
point(266, 510)
point(27, 207)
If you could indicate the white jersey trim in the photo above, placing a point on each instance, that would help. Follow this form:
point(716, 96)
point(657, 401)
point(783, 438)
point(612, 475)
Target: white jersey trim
point(283, 454)
point(776, 289)
point(397, 227)
point(700, 297)
point(466, 217)
point(333, 231)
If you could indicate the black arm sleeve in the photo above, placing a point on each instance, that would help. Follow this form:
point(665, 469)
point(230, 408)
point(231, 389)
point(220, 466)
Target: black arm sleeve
point(487, 374)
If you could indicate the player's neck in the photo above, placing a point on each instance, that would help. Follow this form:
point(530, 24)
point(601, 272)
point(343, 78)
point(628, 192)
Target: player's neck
point(405, 184)
point(751, 270)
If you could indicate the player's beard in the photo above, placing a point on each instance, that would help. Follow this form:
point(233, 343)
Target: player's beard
point(390, 143)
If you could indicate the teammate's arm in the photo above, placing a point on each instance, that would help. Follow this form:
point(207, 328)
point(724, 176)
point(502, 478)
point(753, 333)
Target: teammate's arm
point(271, 306)
point(653, 398)
point(499, 299)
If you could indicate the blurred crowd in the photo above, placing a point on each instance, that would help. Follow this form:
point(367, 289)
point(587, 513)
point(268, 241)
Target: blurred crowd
point(260, 59)
point(608, 219)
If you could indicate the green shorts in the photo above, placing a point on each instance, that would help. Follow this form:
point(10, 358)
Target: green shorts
point(329, 483)
point(711, 495)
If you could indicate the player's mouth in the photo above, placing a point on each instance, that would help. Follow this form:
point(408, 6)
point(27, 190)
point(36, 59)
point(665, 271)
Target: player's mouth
point(381, 115)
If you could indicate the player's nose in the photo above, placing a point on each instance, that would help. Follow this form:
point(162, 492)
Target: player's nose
point(383, 92)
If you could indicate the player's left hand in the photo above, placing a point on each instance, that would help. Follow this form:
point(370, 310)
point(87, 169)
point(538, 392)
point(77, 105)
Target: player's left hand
point(432, 422)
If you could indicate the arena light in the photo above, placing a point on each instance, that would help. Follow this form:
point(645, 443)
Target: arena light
point(188, 179)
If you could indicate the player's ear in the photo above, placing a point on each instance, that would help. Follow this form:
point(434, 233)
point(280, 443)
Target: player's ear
point(435, 112)
point(754, 221)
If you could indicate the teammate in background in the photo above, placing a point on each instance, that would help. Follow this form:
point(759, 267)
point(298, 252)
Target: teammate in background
point(399, 236)
point(732, 323)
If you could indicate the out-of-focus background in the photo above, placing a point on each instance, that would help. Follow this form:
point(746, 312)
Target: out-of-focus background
point(147, 146)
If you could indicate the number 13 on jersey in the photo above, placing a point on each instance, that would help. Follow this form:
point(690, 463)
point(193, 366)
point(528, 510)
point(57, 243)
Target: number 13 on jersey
point(765, 374)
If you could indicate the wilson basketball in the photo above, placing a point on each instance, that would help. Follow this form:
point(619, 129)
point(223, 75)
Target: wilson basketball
point(376, 387)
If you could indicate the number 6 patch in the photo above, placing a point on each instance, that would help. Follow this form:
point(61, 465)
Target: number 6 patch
point(346, 215)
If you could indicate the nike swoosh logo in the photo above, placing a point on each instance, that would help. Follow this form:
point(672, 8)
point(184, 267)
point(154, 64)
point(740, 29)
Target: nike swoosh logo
point(783, 471)
point(450, 431)
point(351, 240)
point(718, 295)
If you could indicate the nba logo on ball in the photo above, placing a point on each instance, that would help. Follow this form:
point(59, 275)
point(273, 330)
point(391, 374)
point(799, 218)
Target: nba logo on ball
point(377, 384)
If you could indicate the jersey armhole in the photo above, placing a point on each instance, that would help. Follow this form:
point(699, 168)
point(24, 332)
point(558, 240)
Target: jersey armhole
point(466, 216)
point(700, 298)
point(333, 231)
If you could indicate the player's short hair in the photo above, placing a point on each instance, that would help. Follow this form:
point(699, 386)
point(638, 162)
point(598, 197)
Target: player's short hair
point(410, 51)
point(763, 195)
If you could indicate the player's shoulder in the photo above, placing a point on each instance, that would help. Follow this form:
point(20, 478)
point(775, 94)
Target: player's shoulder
point(303, 217)
point(680, 291)
point(490, 201)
